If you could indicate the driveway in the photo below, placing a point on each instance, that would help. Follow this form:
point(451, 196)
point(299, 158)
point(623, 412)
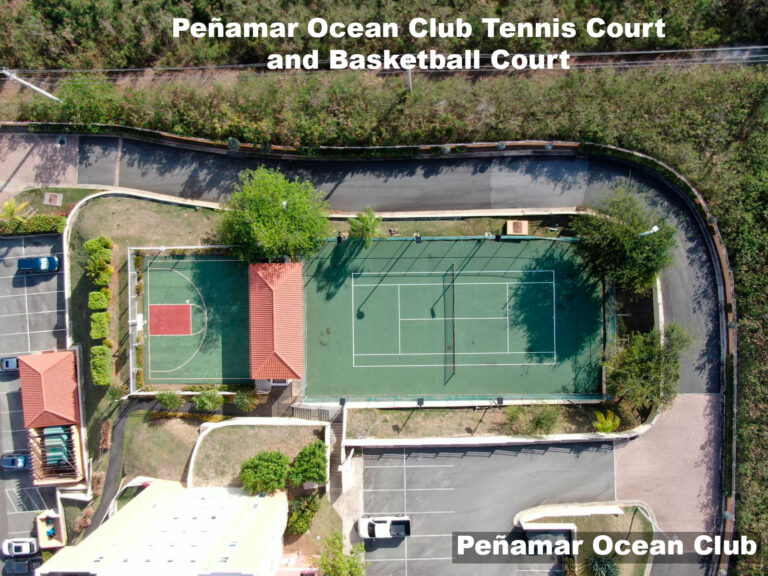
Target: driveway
point(447, 490)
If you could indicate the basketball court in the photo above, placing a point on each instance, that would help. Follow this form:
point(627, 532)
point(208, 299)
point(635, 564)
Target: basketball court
point(196, 320)
point(452, 319)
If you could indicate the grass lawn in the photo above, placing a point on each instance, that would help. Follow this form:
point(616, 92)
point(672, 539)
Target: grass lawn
point(224, 449)
point(463, 422)
point(632, 525)
point(72, 196)
point(158, 447)
point(325, 522)
point(127, 222)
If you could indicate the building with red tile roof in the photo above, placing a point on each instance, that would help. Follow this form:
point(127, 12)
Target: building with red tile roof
point(277, 321)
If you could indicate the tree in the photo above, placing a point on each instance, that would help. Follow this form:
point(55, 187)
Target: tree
point(245, 401)
point(365, 226)
point(171, 401)
point(310, 464)
point(302, 511)
point(12, 210)
point(602, 565)
point(606, 423)
point(645, 369)
point(615, 243)
point(270, 217)
point(208, 400)
point(265, 473)
point(333, 561)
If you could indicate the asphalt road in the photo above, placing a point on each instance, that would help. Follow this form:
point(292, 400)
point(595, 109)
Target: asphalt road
point(448, 184)
point(446, 490)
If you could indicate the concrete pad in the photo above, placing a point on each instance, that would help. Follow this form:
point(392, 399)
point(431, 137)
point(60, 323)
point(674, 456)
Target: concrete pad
point(36, 160)
point(674, 468)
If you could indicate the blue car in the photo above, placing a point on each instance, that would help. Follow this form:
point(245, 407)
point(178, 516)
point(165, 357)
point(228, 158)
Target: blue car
point(39, 264)
point(15, 461)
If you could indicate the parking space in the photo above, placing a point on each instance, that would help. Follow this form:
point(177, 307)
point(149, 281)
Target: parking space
point(446, 490)
point(31, 305)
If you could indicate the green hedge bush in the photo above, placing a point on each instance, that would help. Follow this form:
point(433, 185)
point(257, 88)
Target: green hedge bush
point(101, 366)
point(38, 223)
point(99, 263)
point(310, 464)
point(171, 401)
point(265, 473)
point(100, 325)
point(97, 300)
point(208, 400)
point(301, 513)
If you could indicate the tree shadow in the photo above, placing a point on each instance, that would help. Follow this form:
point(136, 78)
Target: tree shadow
point(331, 273)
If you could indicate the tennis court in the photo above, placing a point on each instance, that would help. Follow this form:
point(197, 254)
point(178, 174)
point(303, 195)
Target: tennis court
point(452, 318)
point(196, 320)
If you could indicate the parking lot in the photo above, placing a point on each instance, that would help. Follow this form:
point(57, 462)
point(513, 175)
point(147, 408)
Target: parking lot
point(31, 320)
point(446, 490)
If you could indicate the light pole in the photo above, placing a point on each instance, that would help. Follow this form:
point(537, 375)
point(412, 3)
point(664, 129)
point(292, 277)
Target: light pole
point(649, 232)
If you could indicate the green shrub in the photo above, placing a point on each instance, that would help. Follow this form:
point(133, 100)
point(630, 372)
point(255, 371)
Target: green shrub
point(310, 464)
point(544, 420)
point(36, 224)
point(208, 400)
point(97, 300)
point(94, 245)
point(140, 378)
point(601, 566)
point(108, 343)
point(140, 355)
point(171, 401)
point(100, 325)
point(515, 418)
point(101, 366)
point(265, 473)
point(245, 400)
point(107, 294)
point(301, 513)
point(569, 566)
point(138, 262)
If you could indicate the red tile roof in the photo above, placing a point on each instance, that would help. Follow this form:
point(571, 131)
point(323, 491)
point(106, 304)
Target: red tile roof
point(277, 321)
point(49, 389)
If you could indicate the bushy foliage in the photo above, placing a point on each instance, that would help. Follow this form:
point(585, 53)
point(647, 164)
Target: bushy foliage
point(101, 365)
point(606, 422)
point(601, 565)
point(365, 226)
point(334, 562)
point(645, 369)
point(245, 400)
point(302, 511)
point(270, 216)
point(36, 224)
point(99, 260)
point(544, 419)
point(265, 473)
point(97, 300)
point(310, 464)
point(208, 400)
point(100, 322)
point(619, 243)
point(170, 400)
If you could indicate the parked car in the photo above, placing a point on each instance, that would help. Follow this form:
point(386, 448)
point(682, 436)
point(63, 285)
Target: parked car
point(21, 565)
point(15, 547)
point(13, 461)
point(10, 364)
point(372, 527)
point(39, 264)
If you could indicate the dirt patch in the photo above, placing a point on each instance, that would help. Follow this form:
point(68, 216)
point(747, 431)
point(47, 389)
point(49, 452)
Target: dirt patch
point(158, 447)
point(467, 422)
point(224, 449)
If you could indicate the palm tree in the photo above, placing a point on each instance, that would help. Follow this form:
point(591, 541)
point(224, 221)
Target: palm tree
point(607, 422)
point(12, 210)
point(602, 566)
point(365, 226)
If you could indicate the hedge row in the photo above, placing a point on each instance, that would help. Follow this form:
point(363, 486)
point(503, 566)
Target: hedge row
point(101, 365)
point(100, 322)
point(98, 299)
point(99, 269)
point(34, 224)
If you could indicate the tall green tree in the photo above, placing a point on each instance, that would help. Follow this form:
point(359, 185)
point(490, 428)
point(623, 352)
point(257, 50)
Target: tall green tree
point(266, 472)
point(625, 242)
point(365, 226)
point(645, 368)
point(333, 561)
point(270, 217)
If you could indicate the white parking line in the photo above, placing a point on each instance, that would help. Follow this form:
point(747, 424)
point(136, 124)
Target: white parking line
point(35, 255)
point(408, 489)
point(29, 313)
point(33, 294)
point(26, 302)
point(7, 495)
point(415, 466)
point(411, 513)
point(430, 535)
point(33, 332)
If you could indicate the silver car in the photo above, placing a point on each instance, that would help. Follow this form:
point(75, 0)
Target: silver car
point(14, 547)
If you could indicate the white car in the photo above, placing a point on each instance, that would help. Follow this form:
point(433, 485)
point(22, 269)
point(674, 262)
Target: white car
point(375, 527)
point(14, 547)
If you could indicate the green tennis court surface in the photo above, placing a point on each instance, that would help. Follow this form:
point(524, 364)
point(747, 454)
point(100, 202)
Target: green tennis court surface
point(199, 331)
point(452, 319)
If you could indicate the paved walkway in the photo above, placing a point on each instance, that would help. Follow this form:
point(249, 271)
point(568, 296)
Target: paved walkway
point(36, 160)
point(674, 467)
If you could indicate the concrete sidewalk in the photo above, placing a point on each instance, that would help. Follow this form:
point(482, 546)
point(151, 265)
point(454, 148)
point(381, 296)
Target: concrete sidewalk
point(36, 160)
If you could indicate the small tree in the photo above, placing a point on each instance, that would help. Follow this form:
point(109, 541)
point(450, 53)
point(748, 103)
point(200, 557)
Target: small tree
point(365, 226)
point(208, 400)
point(310, 464)
point(13, 210)
point(333, 561)
point(245, 401)
point(618, 244)
point(302, 511)
point(171, 400)
point(265, 473)
point(606, 423)
point(602, 565)
point(645, 369)
point(270, 217)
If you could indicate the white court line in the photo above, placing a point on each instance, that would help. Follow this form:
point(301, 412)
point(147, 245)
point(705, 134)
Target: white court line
point(440, 273)
point(442, 365)
point(353, 320)
point(214, 380)
point(457, 353)
point(456, 318)
point(405, 491)
point(28, 332)
point(507, 317)
point(33, 294)
point(399, 324)
point(393, 284)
